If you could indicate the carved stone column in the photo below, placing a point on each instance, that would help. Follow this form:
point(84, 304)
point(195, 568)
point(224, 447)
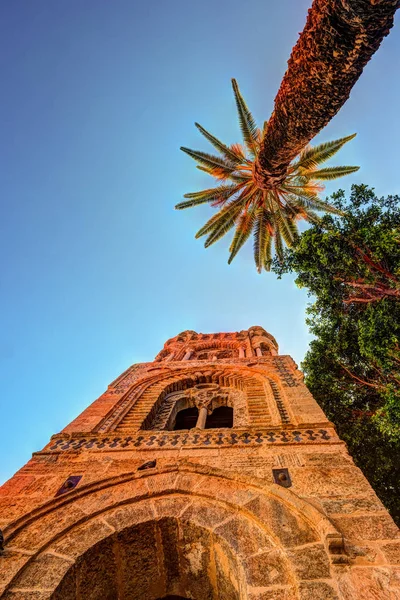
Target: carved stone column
point(202, 396)
point(202, 418)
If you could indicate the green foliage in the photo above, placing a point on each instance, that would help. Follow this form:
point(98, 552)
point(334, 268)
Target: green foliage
point(353, 365)
point(247, 205)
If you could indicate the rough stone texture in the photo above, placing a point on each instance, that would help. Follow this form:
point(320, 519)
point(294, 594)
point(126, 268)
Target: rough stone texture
point(310, 562)
point(318, 590)
point(204, 519)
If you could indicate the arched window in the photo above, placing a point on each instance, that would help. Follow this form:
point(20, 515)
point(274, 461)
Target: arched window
point(186, 418)
point(220, 417)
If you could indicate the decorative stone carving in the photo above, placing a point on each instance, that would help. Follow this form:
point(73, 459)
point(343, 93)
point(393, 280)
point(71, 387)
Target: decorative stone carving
point(202, 396)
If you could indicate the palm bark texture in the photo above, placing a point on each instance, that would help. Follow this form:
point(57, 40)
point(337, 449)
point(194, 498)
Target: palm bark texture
point(338, 40)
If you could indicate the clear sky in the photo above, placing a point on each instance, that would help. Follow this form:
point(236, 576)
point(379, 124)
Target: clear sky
point(98, 270)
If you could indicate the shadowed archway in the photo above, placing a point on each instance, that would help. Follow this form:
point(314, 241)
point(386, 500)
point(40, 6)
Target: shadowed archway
point(155, 560)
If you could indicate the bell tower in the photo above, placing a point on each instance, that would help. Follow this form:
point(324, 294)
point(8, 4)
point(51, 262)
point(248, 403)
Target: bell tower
point(209, 473)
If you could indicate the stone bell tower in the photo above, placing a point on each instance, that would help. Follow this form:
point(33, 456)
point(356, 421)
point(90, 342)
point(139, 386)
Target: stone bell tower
point(210, 473)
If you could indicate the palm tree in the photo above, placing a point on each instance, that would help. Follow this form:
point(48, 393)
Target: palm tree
point(268, 209)
point(338, 40)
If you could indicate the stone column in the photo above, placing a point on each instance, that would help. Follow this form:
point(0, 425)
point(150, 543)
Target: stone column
point(258, 352)
point(170, 357)
point(249, 352)
point(202, 418)
point(241, 352)
point(188, 354)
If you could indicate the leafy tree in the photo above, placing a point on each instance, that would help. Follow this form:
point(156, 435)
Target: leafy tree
point(270, 213)
point(351, 266)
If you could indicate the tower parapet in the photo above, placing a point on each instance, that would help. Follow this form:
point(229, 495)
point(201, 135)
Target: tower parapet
point(190, 345)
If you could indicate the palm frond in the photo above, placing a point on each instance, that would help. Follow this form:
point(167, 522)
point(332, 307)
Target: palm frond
point(310, 201)
point(278, 245)
point(261, 235)
point(312, 217)
point(209, 161)
point(223, 225)
point(229, 153)
point(222, 192)
point(268, 254)
point(311, 157)
point(243, 232)
point(331, 173)
point(287, 227)
point(246, 120)
point(232, 208)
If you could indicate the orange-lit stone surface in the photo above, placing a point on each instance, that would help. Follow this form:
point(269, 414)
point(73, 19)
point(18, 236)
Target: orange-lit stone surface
point(268, 506)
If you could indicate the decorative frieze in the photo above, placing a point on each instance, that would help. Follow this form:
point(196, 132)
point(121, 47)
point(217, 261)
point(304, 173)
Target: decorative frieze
point(194, 438)
point(285, 374)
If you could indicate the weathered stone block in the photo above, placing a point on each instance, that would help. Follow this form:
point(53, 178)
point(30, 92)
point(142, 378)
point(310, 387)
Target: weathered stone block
point(96, 573)
point(140, 559)
point(81, 538)
point(392, 552)
point(171, 506)
point(243, 537)
point(25, 595)
point(276, 593)
point(195, 558)
point(371, 527)
point(268, 568)
point(363, 504)
point(317, 590)
point(10, 562)
point(205, 513)
point(46, 571)
point(36, 534)
point(130, 514)
point(310, 562)
point(288, 528)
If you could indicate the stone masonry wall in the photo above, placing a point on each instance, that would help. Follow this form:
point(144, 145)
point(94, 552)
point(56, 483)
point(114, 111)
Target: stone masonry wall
point(273, 509)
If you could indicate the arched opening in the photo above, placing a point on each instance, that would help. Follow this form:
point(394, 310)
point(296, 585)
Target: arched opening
point(163, 559)
point(220, 417)
point(186, 418)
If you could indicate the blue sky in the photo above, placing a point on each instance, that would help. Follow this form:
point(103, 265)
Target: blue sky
point(98, 270)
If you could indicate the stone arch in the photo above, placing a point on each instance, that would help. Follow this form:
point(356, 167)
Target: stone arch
point(278, 541)
point(143, 408)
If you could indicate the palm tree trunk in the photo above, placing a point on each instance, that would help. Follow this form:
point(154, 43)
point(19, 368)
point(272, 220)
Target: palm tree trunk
point(339, 38)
